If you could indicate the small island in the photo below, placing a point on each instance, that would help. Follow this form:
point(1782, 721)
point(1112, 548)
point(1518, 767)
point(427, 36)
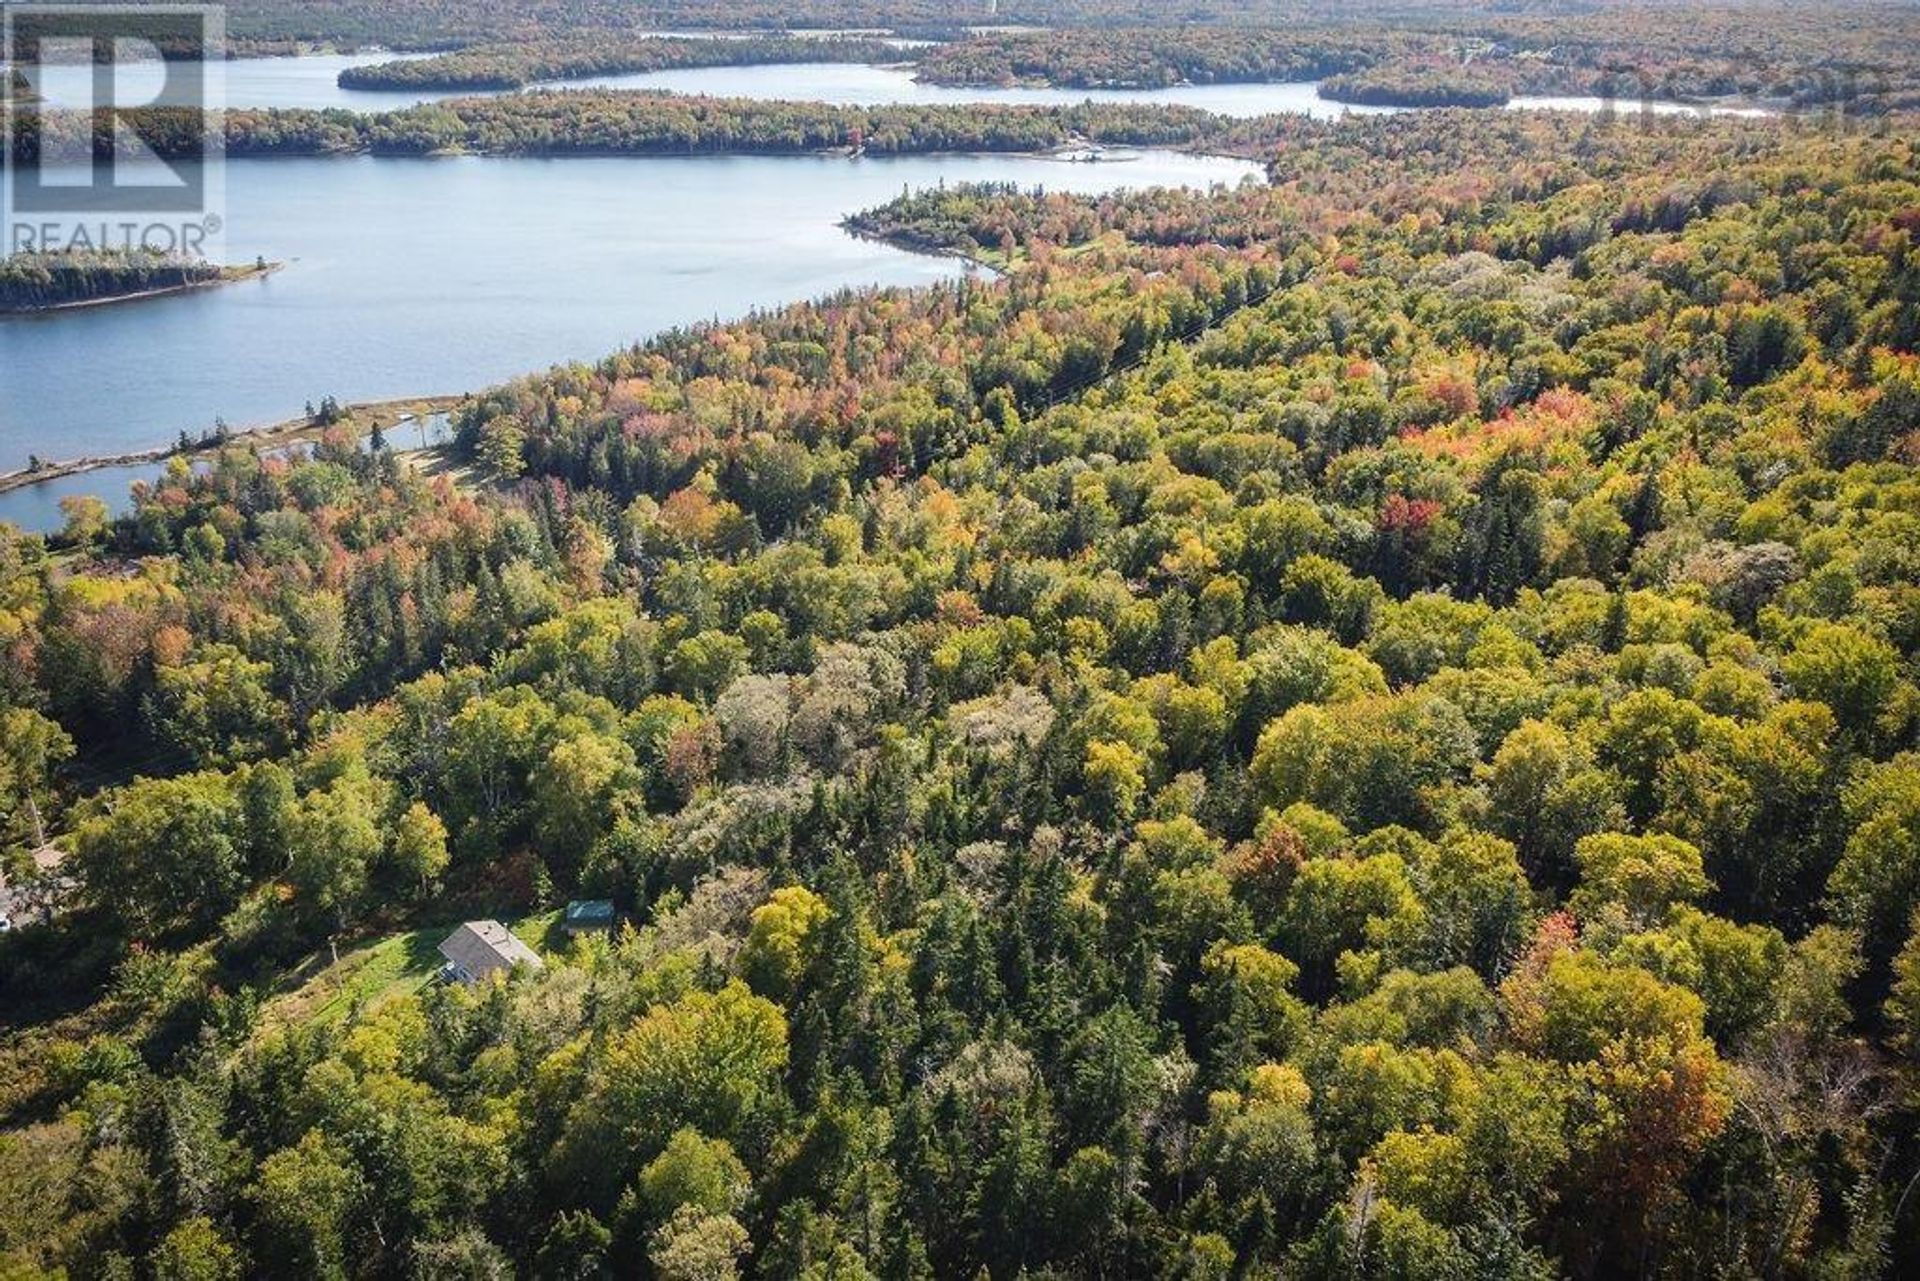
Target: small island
point(55, 281)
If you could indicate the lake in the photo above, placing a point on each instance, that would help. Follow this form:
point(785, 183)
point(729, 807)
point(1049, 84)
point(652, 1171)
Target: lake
point(410, 277)
point(855, 85)
point(308, 81)
point(311, 82)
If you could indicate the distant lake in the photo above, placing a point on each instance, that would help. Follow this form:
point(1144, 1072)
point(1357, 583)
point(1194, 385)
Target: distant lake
point(311, 82)
point(412, 277)
point(307, 81)
point(856, 85)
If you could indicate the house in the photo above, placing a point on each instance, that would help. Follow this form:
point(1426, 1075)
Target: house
point(480, 949)
point(588, 915)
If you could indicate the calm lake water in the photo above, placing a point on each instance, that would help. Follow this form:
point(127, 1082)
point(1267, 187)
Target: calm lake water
point(853, 85)
point(410, 277)
point(240, 82)
point(311, 82)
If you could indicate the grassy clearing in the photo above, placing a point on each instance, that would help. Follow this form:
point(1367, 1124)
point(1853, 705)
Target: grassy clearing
point(363, 977)
point(541, 931)
point(377, 971)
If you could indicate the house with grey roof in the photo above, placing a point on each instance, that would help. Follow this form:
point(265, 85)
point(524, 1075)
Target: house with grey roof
point(479, 950)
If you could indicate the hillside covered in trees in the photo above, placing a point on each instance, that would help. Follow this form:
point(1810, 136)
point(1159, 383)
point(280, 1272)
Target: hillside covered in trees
point(1360, 727)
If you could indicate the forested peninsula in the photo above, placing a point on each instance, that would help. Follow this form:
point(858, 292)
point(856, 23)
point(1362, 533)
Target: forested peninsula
point(86, 278)
point(599, 122)
point(514, 66)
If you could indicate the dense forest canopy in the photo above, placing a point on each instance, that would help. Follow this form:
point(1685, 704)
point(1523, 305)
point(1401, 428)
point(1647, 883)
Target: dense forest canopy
point(1119, 57)
point(1855, 57)
point(391, 22)
point(602, 122)
point(1363, 726)
point(512, 66)
point(1803, 56)
point(1435, 81)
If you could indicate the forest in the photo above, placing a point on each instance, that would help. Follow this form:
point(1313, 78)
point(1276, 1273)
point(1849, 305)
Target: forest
point(34, 281)
point(422, 24)
point(1366, 726)
point(425, 24)
point(1843, 54)
point(1803, 56)
point(619, 122)
point(514, 66)
point(1421, 82)
point(1133, 58)
point(1857, 60)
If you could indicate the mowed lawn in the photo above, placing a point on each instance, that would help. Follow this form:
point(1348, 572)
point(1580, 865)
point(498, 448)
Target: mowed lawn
point(377, 970)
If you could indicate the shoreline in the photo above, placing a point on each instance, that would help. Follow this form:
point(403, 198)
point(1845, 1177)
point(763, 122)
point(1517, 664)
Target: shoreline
point(1050, 151)
point(907, 242)
point(386, 414)
point(383, 415)
point(228, 276)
